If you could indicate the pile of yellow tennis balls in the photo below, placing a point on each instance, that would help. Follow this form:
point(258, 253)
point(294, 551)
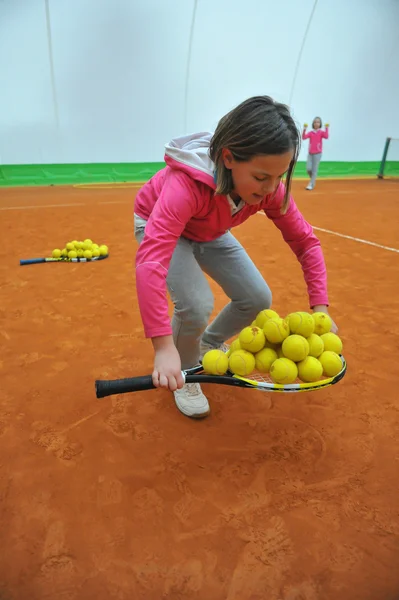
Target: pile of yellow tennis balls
point(87, 249)
point(299, 346)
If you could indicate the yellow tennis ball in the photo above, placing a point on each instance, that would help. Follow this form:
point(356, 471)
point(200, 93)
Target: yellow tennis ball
point(241, 362)
point(316, 345)
point(88, 241)
point(331, 363)
point(56, 253)
point(280, 353)
point(75, 242)
point(264, 316)
point(253, 324)
point(215, 362)
point(70, 246)
point(283, 370)
point(332, 342)
point(87, 254)
point(64, 252)
point(96, 252)
point(301, 323)
point(235, 345)
point(310, 369)
point(323, 323)
point(72, 254)
point(95, 246)
point(79, 253)
point(103, 250)
point(252, 339)
point(264, 359)
point(276, 330)
point(295, 347)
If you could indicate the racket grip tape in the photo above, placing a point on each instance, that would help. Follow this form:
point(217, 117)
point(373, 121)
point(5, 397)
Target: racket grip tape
point(123, 386)
point(32, 261)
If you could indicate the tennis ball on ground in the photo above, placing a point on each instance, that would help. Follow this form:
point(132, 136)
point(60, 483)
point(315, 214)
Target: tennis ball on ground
point(103, 250)
point(64, 252)
point(252, 339)
point(264, 359)
point(96, 252)
point(310, 369)
point(316, 345)
point(79, 245)
point(323, 323)
point(332, 342)
point(79, 253)
point(276, 330)
point(88, 242)
point(215, 362)
point(70, 246)
point(331, 363)
point(235, 345)
point(87, 254)
point(295, 347)
point(264, 316)
point(56, 253)
point(72, 254)
point(75, 242)
point(241, 362)
point(301, 323)
point(283, 370)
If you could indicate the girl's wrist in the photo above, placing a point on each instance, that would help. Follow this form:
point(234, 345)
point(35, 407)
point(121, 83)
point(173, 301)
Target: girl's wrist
point(320, 308)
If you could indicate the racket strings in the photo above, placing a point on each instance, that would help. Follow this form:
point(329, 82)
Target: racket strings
point(260, 377)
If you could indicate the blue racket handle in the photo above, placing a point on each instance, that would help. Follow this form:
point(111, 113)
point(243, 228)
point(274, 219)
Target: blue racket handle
point(32, 261)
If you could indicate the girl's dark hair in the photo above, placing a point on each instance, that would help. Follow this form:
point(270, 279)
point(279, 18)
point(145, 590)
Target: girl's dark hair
point(321, 122)
point(257, 126)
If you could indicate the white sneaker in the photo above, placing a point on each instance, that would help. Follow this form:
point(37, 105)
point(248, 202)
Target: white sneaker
point(191, 401)
point(309, 187)
point(204, 348)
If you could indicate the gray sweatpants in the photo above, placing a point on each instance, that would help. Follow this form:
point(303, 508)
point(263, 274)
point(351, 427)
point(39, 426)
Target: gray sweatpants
point(227, 263)
point(312, 166)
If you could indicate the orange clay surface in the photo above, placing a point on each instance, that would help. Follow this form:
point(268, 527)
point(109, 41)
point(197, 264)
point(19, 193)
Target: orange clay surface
point(270, 498)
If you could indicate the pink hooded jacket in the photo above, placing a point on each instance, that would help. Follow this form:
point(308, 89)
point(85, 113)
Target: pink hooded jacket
point(180, 200)
point(316, 139)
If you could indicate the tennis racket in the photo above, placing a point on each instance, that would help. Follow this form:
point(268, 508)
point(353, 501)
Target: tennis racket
point(35, 261)
point(256, 381)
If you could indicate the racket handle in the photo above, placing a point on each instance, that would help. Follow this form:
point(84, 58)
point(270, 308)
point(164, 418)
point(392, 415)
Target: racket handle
point(123, 386)
point(32, 261)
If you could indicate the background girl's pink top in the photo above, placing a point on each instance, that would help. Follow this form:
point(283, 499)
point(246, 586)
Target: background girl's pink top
point(180, 200)
point(316, 139)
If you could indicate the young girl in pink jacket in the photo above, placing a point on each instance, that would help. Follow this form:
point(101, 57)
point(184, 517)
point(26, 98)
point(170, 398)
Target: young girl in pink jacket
point(183, 217)
point(315, 148)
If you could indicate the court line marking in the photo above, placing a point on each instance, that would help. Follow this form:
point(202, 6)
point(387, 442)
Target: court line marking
point(107, 186)
point(356, 239)
point(116, 202)
point(39, 206)
point(348, 237)
point(62, 205)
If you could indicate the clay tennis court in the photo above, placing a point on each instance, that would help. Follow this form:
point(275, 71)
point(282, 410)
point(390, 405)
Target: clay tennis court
point(271, 498)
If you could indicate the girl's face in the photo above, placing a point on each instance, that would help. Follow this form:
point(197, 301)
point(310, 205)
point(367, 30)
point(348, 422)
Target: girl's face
point(258, 177)
point(316, 124)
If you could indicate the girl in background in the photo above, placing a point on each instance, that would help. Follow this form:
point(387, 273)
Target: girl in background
point(315, 136)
